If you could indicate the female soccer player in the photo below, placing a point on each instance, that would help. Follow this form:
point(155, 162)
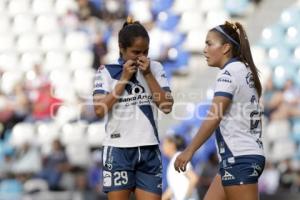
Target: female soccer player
point(234, 116)
point(129, 93)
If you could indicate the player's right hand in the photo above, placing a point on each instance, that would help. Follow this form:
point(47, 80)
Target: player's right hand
point(129, 68)
point(182, 159)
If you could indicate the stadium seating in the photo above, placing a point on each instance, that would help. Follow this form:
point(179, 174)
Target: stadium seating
point(22, 133)
point(96, 134)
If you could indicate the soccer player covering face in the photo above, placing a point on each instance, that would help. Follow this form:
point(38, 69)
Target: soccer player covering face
point(129, 93)
point(234, 116)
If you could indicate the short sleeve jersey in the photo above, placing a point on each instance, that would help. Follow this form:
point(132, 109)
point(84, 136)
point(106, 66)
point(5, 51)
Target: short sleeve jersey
point(239, 132)
point(133, 119)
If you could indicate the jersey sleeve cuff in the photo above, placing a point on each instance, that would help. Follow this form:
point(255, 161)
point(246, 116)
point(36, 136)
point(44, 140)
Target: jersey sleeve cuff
point(100, 92)
point(224, 94)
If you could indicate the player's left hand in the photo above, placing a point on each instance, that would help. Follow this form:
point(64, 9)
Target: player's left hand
point(143, 64)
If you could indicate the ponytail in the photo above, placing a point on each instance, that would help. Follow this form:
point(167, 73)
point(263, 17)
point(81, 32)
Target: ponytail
point(246, 57)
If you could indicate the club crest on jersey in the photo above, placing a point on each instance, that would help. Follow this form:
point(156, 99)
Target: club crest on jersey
point(250, 80)
point(98, 85)
point(253, 99)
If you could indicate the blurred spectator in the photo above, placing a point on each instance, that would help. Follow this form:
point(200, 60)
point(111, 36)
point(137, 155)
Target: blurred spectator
point(54, 165)
point(182, 186)
point(69, 21)
point(99, 50)
point(45, 105)
point(271, 98)
point(289, 177)
point(15, 108)
point(6, 163)
point(269, 180)
point(82, 191)
point(95, 172)
point(35, 78)
point(6, 114)
point(281, 104)
point(256, 2)
point(87, 9)
point(113, 10)
point(207, 174)
point(98, 32)
point(87, 112)
point(25, 156)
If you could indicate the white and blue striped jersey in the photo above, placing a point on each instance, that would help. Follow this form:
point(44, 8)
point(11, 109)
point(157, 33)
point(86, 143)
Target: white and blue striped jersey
point(239, 132)
point(132, 121)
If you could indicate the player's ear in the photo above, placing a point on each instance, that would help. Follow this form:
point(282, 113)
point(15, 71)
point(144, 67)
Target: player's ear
point(226, 48)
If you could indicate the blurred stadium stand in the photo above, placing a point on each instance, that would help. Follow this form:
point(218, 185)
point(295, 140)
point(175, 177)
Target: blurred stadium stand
point(50, 50)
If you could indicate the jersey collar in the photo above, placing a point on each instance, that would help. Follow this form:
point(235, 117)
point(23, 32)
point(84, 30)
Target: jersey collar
point(231, 60)
point(121, 61)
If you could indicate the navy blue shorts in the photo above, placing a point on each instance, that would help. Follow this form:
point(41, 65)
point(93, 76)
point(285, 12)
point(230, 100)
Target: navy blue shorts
point(241, 169)
point(134, 167)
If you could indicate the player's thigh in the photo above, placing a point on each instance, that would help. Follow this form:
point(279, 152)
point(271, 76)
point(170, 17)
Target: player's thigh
point(118, 173)
point(215, 190)
point(142, 195)
point(119, 195)
point(247, 192)
point(148, 173)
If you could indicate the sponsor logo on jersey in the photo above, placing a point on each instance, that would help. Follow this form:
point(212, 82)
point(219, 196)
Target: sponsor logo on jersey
point(141, 99)
point(107, 179)
point(225, 80)
point(137, 89)
point(227, 176)
point(115, 135)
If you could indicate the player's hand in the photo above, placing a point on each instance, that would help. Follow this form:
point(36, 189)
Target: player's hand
point(129, 68)
point(182, 160)
point(143, 64)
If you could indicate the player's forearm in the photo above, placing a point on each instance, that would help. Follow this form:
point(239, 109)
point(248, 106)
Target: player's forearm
point(162, 99)
point(206, 130)
point(105, 104)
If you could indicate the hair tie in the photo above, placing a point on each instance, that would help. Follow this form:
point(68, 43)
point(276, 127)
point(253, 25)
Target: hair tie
point(233, 25)
point(130, 20)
